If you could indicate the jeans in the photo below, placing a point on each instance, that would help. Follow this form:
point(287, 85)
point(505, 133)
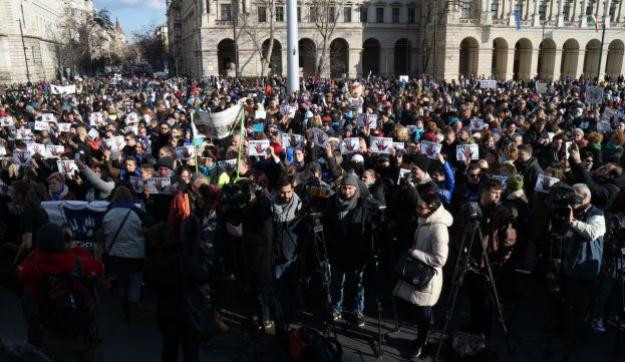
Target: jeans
point(35, 330)
point(354, 280)
point(190, 347)
point(130, 286)
point(285, 294)
point(425, 321)
point(608, 288)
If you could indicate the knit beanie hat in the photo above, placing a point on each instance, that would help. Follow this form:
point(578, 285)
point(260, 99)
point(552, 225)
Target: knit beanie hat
point(166, 161)
point(421, 161)
point(514, 182)
point(50, 239)
point(350, 180)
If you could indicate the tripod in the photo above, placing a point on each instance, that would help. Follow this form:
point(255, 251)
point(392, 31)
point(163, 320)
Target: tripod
point(463, 264)
point(323, 268)
point(619, 320)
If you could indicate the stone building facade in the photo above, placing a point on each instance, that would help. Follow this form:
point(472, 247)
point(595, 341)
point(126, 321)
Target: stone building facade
point(502, 39)
point(32, 53)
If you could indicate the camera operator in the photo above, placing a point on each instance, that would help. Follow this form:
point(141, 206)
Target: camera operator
point(583, 252)
point(286, 209)
point(251, 234)
point(347, 224)
point(498, 237)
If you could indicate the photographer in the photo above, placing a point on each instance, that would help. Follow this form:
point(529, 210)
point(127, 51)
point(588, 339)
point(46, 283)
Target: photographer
point(430, 246)
point(600, 182)
point(347, 224)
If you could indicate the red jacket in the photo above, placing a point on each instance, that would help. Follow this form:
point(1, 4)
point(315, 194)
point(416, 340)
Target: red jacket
point(39, 264)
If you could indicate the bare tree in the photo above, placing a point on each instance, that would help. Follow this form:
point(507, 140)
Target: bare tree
point(257, 31)
point(150, 46)
point(324, 15)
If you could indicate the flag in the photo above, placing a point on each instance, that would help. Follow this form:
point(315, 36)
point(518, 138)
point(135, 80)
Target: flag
point(592, 20)
point(219, 125)
point(517, 19)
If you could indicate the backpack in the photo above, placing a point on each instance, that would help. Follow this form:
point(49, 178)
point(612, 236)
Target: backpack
point(309, 345)
point(66, 304)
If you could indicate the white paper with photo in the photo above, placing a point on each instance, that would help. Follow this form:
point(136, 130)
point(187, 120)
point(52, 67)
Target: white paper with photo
point(96, 119)
point(380, 144)
point(21, 157)
point(260, 114)
point(320, 138)
point(41, 126)
point(48, 117)
point(185, 152)
point(67, 167)
point(115, 144)
point(291, 140)
point(158, 185)
point(136, 182)
point(544, 182)
point(258, 147)
point(372, 121)
point(65, 127)
point(488, 84)
point(132, 118)
point(350, 145)
point(93, 134)
point(6, 121)
point(404, 78)
point(3, 151)
point(54, 151)
point(477, 124)
point(228, 165)
point(36, 149)
point(541, 88)
point(431, 149)
point(470, 150)
point(404, 173)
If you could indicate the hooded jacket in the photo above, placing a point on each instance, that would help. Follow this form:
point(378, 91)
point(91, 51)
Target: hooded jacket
point(431, 246)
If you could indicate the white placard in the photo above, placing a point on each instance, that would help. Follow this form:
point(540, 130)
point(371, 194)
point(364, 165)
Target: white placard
point(594, 95)
point(136, 182)
point(21, 157)
point(543, 182)
point(48, 117)
point(228, 165)
point(372, 121)
point(604, 127)
point(465, 151)
point(68, 89)
point(260, 115)
point(380, 144)
point(6, 121)
point(93, 134)
point(541, 88)
point(96, 119)
point(41, 126)
point(320, 138)
point(3, 151)
point(404, 173)
point(404, 78)
point(158, 185)
point(399, 146)
point(54, 151)
point(477, 124)
point(291, 140)
point(431, 149)
point(65, 127)
point(218, 125)
point(67, 167)
point(36, 149)
point(258, 147)
point(185, 152)
point(350, 145)
point(115, 144)
point(132, 118)
point(488, 83)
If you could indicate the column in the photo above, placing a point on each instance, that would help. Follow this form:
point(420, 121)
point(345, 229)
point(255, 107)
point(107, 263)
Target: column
point(557, 64)
point(536, 14)
point(580, 62)
point(510, 63)
point(534, 62)
point(561, 13)
point(604, 58)
point(621, 12)
point(606, 12)
point(583, 19)
point(502, 9)
point(512, 18)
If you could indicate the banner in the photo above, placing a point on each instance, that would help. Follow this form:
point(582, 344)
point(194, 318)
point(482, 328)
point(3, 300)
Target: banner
point(488, 84)
point(58, 89)
point(220, 124)
point(83, 217)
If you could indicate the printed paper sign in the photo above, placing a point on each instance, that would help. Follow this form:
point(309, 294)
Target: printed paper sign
point(67, 167)
point(567, 149)
point(350, 145)
point(380, 144)
point(65, 127)
point(23, 134)
point(68, 89)
point(96, 119)
point(291, 140)
point(228, 165)
point(3, 151)
point(260, 115)
point(467, 152)
point(41, 126)
point(604, 127)
point(54, 151)
point(158, 185)
point(6, 122)
point(36, 149)
point(594, 95)
point(477, 124)
point(93, 134)
point(431, 149)
point(320, 138)
point(48, 117)
point(543, 183)
point(115, 144)
point(541, 88)
point(185, 152)
point(132, 118)
point(372, 121)
point(258, 148)
point(404, 174)
point(488, 84)
point(404, 78)
point(399, 146)
point(137, 184)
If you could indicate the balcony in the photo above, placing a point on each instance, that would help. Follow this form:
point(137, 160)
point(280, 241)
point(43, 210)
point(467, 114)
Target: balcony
point(468, 21)
point(223, 22)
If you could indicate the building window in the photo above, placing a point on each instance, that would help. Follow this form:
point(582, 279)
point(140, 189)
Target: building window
point(226, 12)
point(262, 14)
point(299, 14)
point(379, 15)
point(494, 9)
point(613, 10)
point(364, 12)
point(566, 11)
point(412, 15)
point(331, 14)
point(590, 9)
point(347, 14)
point(542, 10)
point(280, 13)
point(312, 15)
point(518, 8)
point(465, 10)
point(395, 15)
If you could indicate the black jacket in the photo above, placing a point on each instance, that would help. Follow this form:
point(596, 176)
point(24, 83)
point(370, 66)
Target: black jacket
point(602, 192)
point(530, 171)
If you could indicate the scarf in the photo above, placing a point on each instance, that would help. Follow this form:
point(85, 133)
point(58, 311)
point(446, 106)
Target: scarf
point(57, 196)
point(344, 206)
point(285, 212)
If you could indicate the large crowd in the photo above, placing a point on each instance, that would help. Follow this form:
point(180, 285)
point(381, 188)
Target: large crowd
point(392, 170)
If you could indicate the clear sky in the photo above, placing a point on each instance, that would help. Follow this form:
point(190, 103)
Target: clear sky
point(134, 14)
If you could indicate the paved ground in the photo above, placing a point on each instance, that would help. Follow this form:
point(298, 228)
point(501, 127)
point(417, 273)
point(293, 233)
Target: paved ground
point(140, 341)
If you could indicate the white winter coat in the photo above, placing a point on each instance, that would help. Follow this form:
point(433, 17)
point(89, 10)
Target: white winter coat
point(431, 246)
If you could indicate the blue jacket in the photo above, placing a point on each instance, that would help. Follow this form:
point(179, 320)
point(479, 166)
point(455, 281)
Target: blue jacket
point(446, 188)
point(583, 253)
